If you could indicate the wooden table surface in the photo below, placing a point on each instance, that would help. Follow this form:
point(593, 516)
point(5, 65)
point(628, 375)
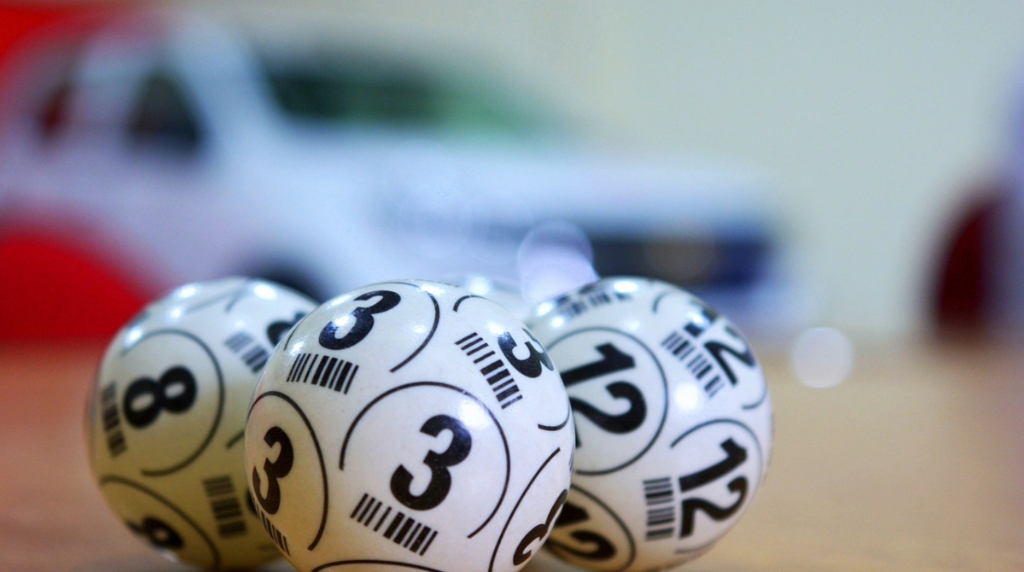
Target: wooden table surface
point(915, 463)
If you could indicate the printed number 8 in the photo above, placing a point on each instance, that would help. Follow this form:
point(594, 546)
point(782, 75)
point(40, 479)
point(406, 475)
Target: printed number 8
point(175, 391)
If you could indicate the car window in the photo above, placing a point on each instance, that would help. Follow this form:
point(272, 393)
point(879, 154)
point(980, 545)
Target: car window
point(330, 87)
point(163, 119)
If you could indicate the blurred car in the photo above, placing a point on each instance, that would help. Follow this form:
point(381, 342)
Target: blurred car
point(189, 150)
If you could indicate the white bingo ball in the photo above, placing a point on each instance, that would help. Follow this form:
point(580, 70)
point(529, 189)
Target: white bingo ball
point(409, 425)
point(673, 422)
point(167, 415)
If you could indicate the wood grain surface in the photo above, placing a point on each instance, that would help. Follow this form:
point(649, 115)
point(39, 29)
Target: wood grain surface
point(915, 463)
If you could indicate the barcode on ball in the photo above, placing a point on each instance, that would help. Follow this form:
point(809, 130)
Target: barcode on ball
point(494, 369)
point(279, 539)
point(400, 529)
point(227, 510)
point(322, 371)
point(246, 347)
point(661, 508)
point(112, 421)
point(697, 362)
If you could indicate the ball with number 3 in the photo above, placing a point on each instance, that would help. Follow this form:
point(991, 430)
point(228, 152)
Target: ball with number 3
point(673, 423)
point(167, 415)
point(409, 425)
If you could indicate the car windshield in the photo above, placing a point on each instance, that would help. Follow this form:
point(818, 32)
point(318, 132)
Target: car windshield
point(334, 88)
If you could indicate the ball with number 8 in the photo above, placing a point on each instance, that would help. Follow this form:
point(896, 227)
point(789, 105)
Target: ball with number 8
point(167, 414)
point(409, 425)
point(673, 423)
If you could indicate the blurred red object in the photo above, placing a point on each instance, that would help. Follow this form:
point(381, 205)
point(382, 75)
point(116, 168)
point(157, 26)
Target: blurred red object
point(17, 23)
point(49, 289)
point(962, 302)
point(52, 291)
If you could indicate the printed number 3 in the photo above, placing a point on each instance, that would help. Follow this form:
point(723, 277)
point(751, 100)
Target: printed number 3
point(363, 317)
point(538, 532)
point(440, 479)
point(276, 470)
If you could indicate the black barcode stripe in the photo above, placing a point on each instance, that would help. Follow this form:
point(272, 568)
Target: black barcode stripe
point(713, 386)
point(362, 501)
point(404, 530)
point(394, 525)
point(343, 377)
point(429, 542)
point(412, 534)
point(382, 518)
point(483, 357)
point(491, 367)
point(351, 377)
point(498, 388)
point(660, 516)
point(511, 401)
point(477, 348)
point(498, 376)
point(459, 343)
point(419, 539)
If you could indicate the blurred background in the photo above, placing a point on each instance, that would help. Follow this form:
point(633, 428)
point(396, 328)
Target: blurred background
point(799, 164)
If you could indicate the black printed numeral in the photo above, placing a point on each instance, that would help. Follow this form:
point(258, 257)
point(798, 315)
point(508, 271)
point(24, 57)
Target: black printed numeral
point(743, 354)
point(600, 548)
point(401, 529)
point(112, 421)
point(271, 502)
point(174, 392)
point(494, 370)
point(612, 360)
point(323, 371)
point(157, 533)
point(735, 456)
point(227, 510)
point(683, 345)
point(277, 330)
point(363, 317)
point(537, 533)
point(440, 483)
point(253, 354)
point(532, 366)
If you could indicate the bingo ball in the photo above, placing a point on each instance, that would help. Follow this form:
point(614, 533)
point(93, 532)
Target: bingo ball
point(409, 425)
point(167, 417)
point(673, 423)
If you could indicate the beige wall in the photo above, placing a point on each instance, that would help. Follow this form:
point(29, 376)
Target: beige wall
point(870, 117)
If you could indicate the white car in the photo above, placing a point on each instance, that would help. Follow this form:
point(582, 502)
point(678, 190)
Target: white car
point(192, 151)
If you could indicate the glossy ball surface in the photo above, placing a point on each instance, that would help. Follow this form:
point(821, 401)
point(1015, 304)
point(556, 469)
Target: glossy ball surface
point(409, 425)
point(673, 423)
point(167, 415)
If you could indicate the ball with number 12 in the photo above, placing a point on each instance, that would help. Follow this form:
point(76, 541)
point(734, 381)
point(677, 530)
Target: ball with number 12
point(673, 422)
